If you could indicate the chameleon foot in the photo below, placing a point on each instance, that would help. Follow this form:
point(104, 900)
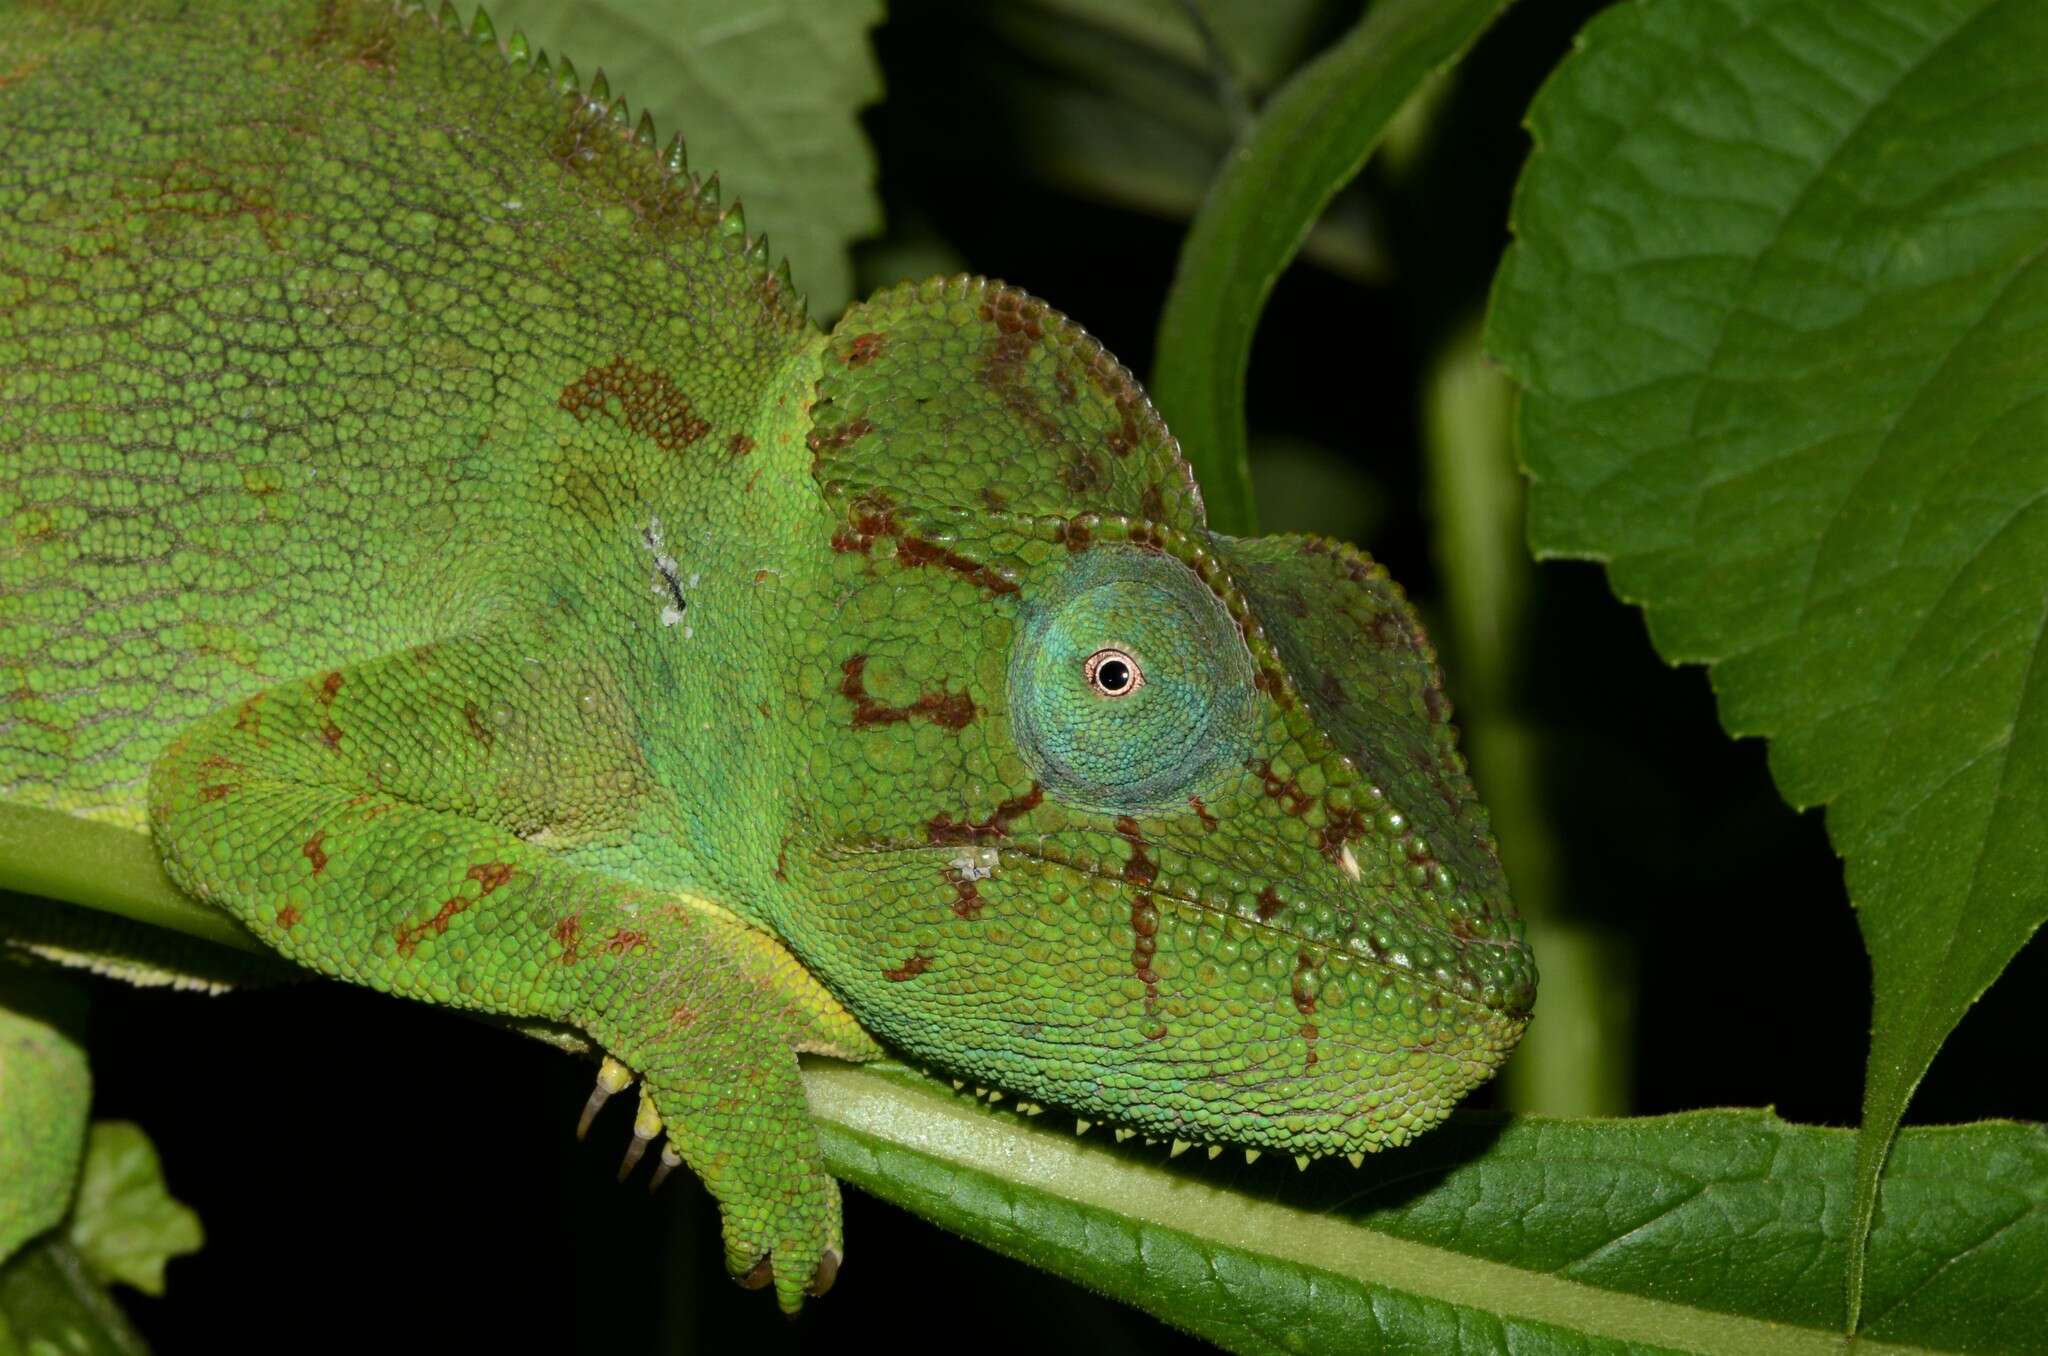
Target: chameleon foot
point(646, 1127)
point(670, 1161)
point(612, 1077)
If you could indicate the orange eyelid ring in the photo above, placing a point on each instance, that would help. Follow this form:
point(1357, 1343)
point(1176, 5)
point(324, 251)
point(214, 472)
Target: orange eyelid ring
point(1111, 672)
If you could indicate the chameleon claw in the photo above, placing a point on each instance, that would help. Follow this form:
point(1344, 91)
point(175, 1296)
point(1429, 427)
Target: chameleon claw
point(612, 1077)
point(827, 1272)
point(761, 1276)
point(646, 1125)
point(670, 1161)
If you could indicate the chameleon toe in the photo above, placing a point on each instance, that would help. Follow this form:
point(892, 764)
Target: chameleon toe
point(670, 1161)
point(646, 1129)
point(612, 1077)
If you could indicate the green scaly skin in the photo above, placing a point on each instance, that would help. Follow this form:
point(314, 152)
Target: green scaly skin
point(425, 509)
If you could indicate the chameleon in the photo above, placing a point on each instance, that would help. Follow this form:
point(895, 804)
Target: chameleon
point(431, 517)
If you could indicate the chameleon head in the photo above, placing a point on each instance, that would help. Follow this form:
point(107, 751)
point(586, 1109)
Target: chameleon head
point(1107, 810)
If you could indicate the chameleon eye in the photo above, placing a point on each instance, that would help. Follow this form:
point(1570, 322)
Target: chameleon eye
point(1099, 726)
point(1112, 673)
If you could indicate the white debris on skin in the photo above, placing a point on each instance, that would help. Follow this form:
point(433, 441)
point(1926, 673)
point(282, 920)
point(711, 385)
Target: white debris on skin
point(977, 863)
point(669, 586)
point(1348, 861)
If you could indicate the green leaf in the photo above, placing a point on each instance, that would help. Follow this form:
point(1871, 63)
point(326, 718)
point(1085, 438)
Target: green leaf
point(1779, 298)
point(125, 1224)
point(50, 1305)
point(1711, 1232)
point(1121, 102)
point(1310, 140)
point(766, 94)
point(45, 1088)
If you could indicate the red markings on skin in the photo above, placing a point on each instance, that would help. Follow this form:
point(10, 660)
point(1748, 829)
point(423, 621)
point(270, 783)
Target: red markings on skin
point(330, 735)
point(1145, 944)
point(1140, 870)
point(1343, 826)
point(947, 710)
point(329, 685)
point(249, 719)
point(739, 445)
point(192, 188)
point(1304, 996)
point(488, 875)
point(944, 831)
point(1303, 993)
point(967, 900)
point(1286, 790)
point(910, 969)
point(479, 730)
point(568, 933)
point(642, 400)
point(874, 518)
point(1270, 903)
point(314, 852)
point(865, 348)
point(217, 791)
point(1202, 813)
point(782, 858)
point(1074, 534)
point(375, 51)
point(915, 551)
point(680, 1016)
point(852, 431)
point(288, 917)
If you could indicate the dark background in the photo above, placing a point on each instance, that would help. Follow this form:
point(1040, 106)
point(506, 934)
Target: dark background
point(372, 1173)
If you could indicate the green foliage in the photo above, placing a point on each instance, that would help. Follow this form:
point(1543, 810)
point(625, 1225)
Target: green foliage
point(766, 95)
point(1776, 300)
point(125, 1223)
point(1308, 143)
point(45, 1088)
point(1713, 1232)
point(51, 1305)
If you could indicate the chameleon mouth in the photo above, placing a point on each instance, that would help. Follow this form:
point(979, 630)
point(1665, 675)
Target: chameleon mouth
point(1312, 1048)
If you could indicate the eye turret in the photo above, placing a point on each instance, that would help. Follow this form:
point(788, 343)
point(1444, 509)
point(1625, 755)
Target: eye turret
point(1129, 684)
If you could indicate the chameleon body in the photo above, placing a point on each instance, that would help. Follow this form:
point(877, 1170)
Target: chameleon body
point(425, 509)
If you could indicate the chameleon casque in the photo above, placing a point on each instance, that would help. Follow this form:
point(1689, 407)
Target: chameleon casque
point(429, 513)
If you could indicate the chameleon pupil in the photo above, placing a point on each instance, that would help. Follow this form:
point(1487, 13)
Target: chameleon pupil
point(1112, 673)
